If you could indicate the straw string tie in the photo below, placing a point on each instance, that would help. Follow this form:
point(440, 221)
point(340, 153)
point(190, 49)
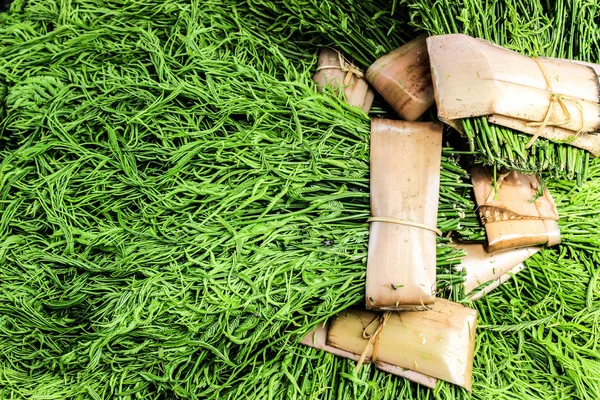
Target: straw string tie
point(373, 339)
point(406, 223)
point(344, 66)
point(555, 98)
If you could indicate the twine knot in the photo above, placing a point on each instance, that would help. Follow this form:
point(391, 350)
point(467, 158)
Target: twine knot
point(555, 98)
point(373, 339)
point(344, 66)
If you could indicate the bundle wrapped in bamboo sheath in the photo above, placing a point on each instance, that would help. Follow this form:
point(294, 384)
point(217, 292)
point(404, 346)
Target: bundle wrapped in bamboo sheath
point(485, 271)
point(551, 98)
point(317, 338)
point(334, 70)
point(405, 180)
point(403, 78)
point(515, 210)
point(431, 344)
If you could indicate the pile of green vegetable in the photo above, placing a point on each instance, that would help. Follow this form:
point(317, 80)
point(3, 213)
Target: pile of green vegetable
point(178, 204)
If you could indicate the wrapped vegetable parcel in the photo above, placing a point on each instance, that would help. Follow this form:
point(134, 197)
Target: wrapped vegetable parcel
point(486, 271)
point(431, 344)
point(333, 69)
point(405, 181)
point(403, 78)
point(551, 98)
point(317, 338)
point(515, 210)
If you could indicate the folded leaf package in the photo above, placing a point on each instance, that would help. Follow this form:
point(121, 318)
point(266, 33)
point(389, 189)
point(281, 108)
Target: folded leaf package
point(334, 70)
point(430, 344)
point(550, 98)
point(515, 209)
point(405, 180)
point(317, 338)
point(485, 271)
point(403, 78)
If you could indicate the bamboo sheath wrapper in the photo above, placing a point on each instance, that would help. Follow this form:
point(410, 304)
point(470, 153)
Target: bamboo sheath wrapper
point(595, 67)
point(334, 70)
point(482, 267)
point(317, 338)
point(405, 181)
point(555, 99)
point(403, 78)
point(438, 343)
point(518, 213)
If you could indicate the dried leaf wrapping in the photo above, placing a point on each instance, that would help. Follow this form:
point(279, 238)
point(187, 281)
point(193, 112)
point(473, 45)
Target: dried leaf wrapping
point(473, 77)
point(405, 179)
point(515, 210)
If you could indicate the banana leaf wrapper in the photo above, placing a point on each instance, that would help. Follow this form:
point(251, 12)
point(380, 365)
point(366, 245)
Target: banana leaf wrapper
point(517, 212)
point(485, 271)
point(317, 338)
point(553, 98)
point(405, 181)
point(403, 78)
point(421, 346)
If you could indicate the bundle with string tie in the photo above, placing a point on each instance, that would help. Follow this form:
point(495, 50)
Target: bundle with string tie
point(516, 210)
point(373, 339)
point(505, 87)
point(418, 345)
point(405, 164)
point(333, 70)
point(344, 66)
point(554, 98)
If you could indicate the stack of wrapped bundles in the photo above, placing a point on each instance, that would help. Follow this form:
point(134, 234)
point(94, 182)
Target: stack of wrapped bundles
point(404, 328)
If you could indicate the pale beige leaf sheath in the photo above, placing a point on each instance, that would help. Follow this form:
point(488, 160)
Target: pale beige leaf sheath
point(403, 78)
point(333, 70)
point(473, 77)
point(438, 343)
point(482, 267)
point(405, 180)
point(317, 338)
point(510, 217)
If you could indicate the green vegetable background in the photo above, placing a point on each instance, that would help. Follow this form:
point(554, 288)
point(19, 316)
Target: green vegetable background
point(178, 204)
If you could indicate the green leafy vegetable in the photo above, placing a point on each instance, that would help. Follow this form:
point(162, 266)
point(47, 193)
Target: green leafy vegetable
point(178, 204)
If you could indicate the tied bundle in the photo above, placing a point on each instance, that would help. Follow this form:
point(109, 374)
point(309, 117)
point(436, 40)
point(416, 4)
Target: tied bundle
point(335, 71)
point(515, 209)
point(405, 182)
point(403, 79)
point(486, 271)
point(472, 77)
point(422, 346)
